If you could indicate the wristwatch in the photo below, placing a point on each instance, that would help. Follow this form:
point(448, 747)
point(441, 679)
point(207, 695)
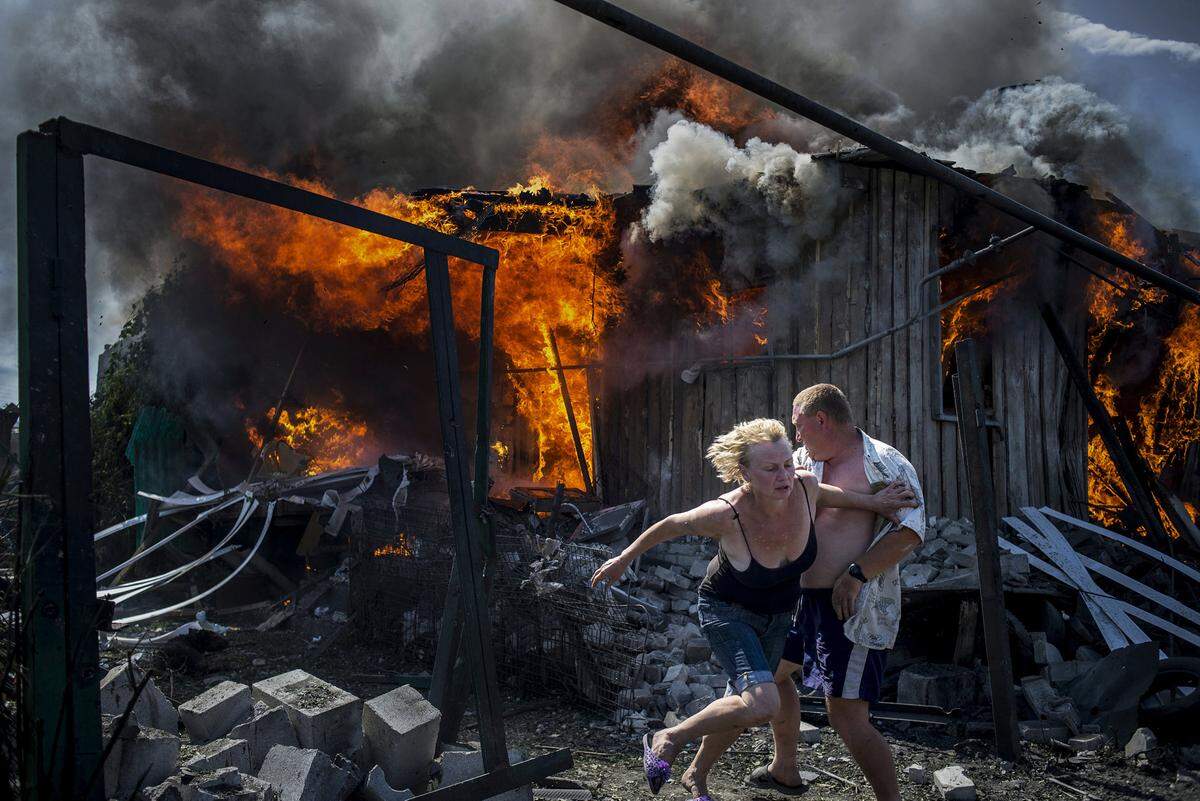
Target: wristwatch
point(856, 571)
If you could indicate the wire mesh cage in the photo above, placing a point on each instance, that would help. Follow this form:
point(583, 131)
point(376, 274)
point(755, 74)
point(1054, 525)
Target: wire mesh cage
point(550, 630)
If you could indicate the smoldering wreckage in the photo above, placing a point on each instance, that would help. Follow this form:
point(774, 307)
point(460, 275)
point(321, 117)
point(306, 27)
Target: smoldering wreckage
point(1061, 624)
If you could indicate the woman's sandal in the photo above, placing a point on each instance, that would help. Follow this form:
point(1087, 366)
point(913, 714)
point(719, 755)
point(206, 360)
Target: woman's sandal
point(657, 770)
point(761, 777)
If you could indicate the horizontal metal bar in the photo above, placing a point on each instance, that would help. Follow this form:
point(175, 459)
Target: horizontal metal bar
point(919, 163)
point(971, 258)
point(94, 141)
point(499, 781)
point(884, 710)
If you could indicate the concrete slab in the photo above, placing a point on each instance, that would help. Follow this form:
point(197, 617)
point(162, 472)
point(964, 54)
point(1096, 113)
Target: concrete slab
point(376, 788)
point(268, 728)
point(212, 713)
point(221, 753)
point(323, 716)
point(953, 784)
point(153, 709)
point(459, 765)
point(400, 731)
point(305, 774)
point(142, 757)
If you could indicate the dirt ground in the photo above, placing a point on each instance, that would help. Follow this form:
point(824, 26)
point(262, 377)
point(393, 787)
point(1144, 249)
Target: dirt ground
point(608, 761)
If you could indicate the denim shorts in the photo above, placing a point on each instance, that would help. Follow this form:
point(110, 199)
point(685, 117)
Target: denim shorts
point(748, 645)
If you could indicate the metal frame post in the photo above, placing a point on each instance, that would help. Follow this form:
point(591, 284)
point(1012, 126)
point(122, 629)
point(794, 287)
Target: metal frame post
point(61, 692)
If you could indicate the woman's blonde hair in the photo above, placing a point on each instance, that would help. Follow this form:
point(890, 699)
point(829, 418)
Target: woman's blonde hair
point(729, 451)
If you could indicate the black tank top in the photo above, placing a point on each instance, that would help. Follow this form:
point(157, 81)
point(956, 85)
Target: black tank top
point(762, 590)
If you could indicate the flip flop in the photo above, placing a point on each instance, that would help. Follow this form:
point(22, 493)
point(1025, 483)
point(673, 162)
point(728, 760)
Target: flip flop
point(657, 770)
point(761, 777)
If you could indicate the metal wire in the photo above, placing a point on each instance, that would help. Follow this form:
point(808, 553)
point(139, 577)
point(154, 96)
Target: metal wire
point(551, 632)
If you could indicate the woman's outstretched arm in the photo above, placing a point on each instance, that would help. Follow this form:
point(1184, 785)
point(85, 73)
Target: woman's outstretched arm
point(703, 521)
point(887, 502)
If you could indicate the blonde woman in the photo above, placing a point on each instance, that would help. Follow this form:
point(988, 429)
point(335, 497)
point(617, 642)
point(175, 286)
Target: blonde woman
point(765, 536)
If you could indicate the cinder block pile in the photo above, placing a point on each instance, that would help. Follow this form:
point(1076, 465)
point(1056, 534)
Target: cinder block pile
point(947, 560)
point(292, 737)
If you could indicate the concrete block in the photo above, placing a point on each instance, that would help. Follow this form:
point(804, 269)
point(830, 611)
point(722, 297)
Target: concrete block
point(222, 753)
point(676, 673)
point(142, 757)
point(1143, 740)
point(305, 774)
point(1044, 651)
point(953, 784)
point(945, 686)
point(1014, 568)
point(809, 733)
point(917, 574)
point(268, 728)
point(153, 709)
point(917, 774)
point(400, 731)
point(702, 692)
point(323, 716)
point(694, 706)
point(696, 651)
point(1088, 742)
point(1063, 673)
point(459, 765)
point(376, 788)
point(698, 568)
point(1042, 731)
point(212, 713)
point(678, 695)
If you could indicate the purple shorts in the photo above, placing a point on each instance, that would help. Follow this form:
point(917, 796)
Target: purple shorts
point(831, 662)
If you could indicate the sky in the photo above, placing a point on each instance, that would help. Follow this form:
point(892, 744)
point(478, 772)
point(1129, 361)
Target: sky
point(1142, 57)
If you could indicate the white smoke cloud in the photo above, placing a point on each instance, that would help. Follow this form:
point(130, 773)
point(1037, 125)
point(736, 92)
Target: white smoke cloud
point(763, 199)
point(1100, 39)
point(1050, 126)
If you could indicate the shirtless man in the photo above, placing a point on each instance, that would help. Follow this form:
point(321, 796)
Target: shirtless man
point(849, 610)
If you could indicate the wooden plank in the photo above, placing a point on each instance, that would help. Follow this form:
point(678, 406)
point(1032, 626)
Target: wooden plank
point(1016, 415)
point(691, 456)
point(1035, 469)
point(878, 405)
point(1149, 593)
point(1097, 613)
point(921, 428)
point(1052, 489)
point(891, 308)
point(655, 423)
point(1003, 409)
point(858, 250)
point(714, 384)
point(907, 243)
point(1141, 547)
point(973, 443)
point(964, 644)
point(1050, 542)
point(499, 781)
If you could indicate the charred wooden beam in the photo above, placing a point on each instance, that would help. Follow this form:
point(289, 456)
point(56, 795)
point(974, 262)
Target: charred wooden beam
point(977, 460)
point(919, 163)
point(566, 399)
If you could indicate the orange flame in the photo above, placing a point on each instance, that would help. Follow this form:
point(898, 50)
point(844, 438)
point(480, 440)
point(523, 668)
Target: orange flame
point(340, 278)
point(329, 438)
point(399, 548)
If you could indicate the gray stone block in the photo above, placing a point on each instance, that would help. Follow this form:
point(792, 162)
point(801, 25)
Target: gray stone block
point(953, 784)
point(945, 686)
point(269, 727)
point(400, 729)
point(676, 673)
point(142, 757)
point(323, 716)
point(153, 709)
point(459, 765)
point(305, 774)
point(917, 774)
point(376, 788)
point(809, 733)
point(1042, 731)
point(1143, 740)
point(212, 713)
point(222, 753)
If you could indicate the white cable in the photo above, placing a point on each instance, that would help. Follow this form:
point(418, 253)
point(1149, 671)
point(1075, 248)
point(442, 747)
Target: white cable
point(147, 615)
point(248, 509)
point(161, 577)
point(152, 548)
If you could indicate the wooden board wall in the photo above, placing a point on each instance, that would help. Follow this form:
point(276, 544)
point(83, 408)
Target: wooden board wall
point(865, 278)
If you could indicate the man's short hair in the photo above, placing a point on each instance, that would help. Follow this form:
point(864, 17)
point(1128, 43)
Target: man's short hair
point(823, 398)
